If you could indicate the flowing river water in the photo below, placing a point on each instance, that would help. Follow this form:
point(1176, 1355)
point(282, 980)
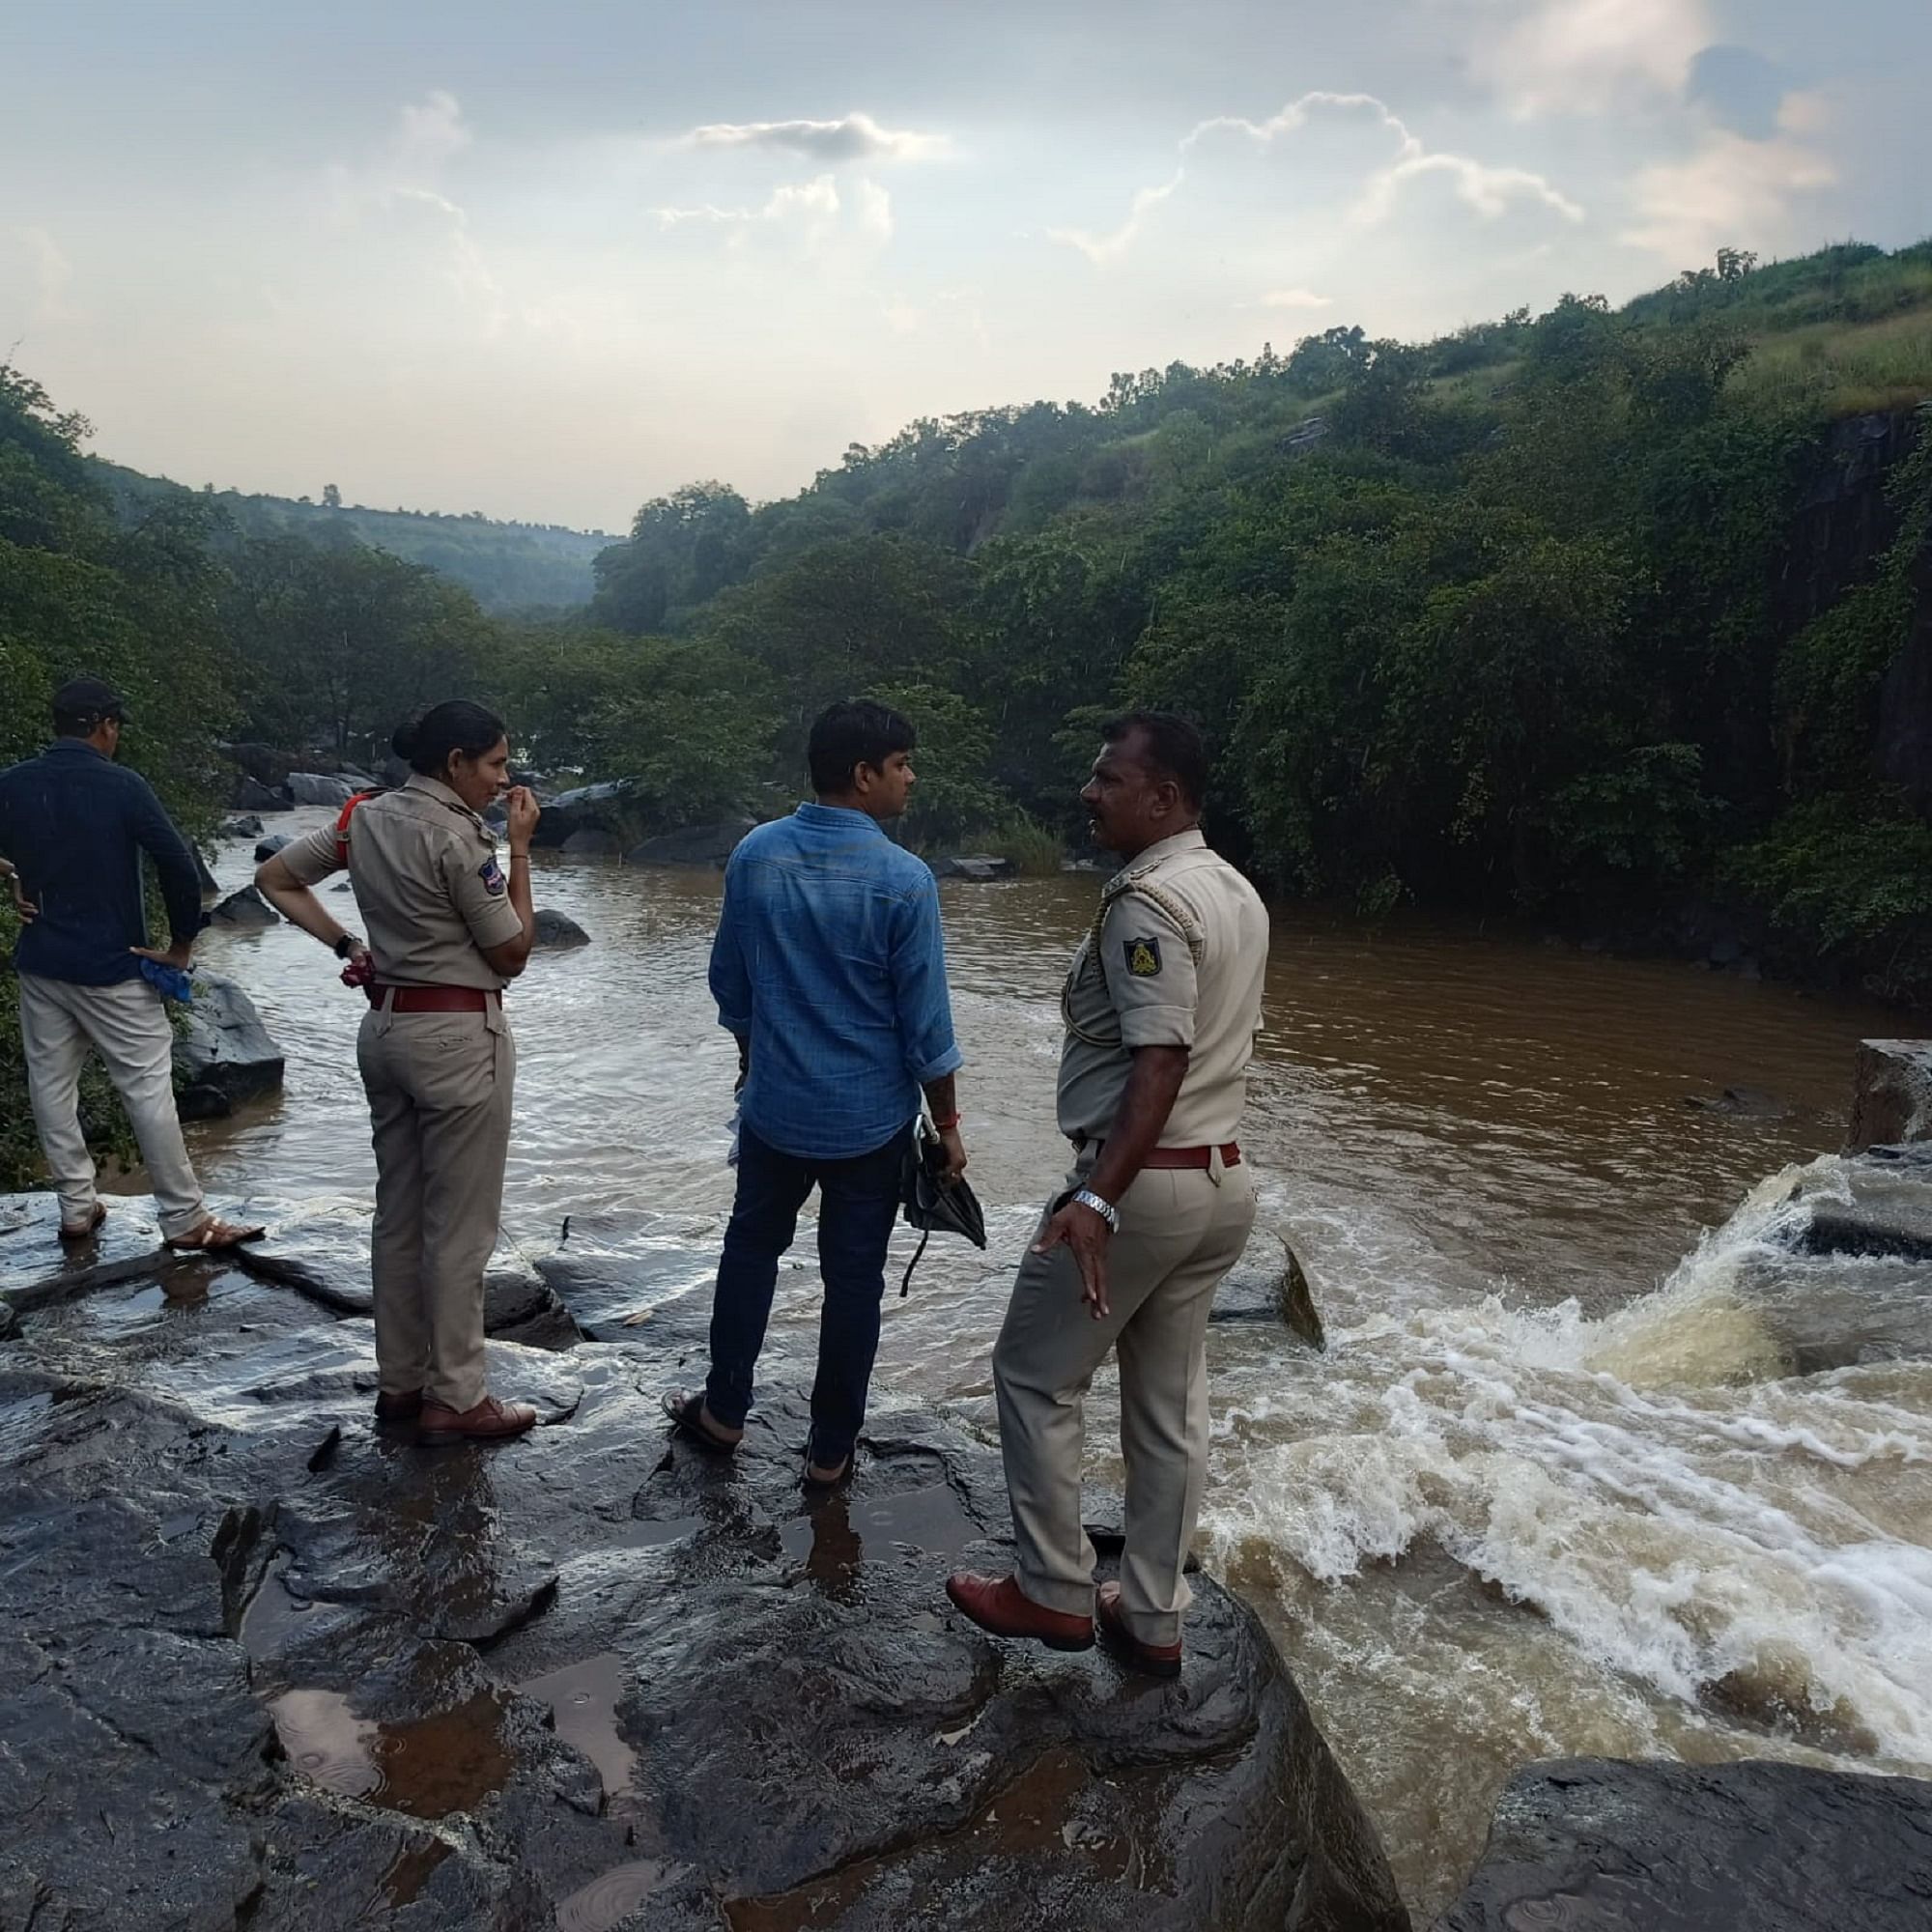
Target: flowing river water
point(1552, 1490)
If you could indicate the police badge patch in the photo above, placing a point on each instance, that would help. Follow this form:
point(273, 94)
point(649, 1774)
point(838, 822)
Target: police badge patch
point(491, 875)
point(1143, 957)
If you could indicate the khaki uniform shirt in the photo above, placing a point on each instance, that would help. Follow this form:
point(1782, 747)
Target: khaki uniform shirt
point(1176, 958)
point(427, 880)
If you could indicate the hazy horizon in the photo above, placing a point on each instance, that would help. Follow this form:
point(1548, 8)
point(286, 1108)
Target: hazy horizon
point(548, 268)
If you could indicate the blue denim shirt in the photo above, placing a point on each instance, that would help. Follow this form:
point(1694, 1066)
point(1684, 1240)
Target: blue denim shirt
point(829, 959)
point(75, 823)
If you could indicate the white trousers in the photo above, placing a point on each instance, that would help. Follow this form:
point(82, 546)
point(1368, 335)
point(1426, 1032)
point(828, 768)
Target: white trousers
point(128, 1026)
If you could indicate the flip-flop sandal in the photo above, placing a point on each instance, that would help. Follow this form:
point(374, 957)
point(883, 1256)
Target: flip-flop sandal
point(817, 1483)
point(213, 1236)
point(687, 1418)
point(95, 1220)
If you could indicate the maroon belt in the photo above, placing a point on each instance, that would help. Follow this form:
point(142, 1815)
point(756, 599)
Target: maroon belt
point(1194, 1157)
point(434, 999)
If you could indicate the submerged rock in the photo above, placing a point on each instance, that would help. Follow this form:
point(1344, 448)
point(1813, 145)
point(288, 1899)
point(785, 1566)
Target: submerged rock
point(247, 907)
point(1613, 1847)
point(223, 1055)
point(1269, 1284)
point(257, 1658)
point(696, 845)
point(559, 932)
point(982, 866)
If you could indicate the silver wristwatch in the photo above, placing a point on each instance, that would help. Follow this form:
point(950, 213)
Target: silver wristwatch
point(1106, 1209)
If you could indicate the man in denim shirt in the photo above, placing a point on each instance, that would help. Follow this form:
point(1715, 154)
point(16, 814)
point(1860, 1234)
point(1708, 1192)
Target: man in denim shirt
point(830, 970)
point(72, 828)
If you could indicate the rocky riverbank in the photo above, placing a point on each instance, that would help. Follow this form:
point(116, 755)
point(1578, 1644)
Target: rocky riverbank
point(261, 1665)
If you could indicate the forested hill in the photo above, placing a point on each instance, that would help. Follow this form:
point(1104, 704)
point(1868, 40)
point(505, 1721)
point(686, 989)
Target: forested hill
point(505, 566)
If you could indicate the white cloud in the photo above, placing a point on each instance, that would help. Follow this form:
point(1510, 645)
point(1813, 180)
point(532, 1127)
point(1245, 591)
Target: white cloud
point(1294, 298)
point(875, 212)
point(790, 201)
point(1101, 249)
point(52, 276)
point(1731, 192)
point(432, 131)
point(856, 137)
point(1487, 189)
point(1589, 56)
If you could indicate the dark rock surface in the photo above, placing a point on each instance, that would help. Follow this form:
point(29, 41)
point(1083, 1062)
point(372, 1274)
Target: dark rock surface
point(264, 1665)
point(559, 932)
point(247, 907)
point(1842, 1277)
point(250, 796)
point(1595, 1845)
point(694, 845)
point(1744, 1103)
point(1891, 1095)
point(591, 842)
point(268, 847)
point(595, 807)
point(1269, 1284)
point(981, 866)
point(319, 788)
point(223, 1055)
point(209, 884)
point(243, 828)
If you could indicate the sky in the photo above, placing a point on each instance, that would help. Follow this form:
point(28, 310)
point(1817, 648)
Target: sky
point(549, 262)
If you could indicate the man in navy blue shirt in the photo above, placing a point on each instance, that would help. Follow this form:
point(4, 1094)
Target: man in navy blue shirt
point(73, 826)
point(829, 968)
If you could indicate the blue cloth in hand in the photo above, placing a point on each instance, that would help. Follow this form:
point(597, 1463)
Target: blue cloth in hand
point(171, 983)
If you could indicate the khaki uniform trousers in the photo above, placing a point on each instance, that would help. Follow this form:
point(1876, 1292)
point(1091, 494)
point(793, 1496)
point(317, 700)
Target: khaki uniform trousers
point(127, 1024)
point(439, 1089)
point(1181, 1229)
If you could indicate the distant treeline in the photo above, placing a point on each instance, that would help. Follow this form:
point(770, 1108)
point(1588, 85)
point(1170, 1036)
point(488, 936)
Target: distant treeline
point(506, 566)
point(1596, 617)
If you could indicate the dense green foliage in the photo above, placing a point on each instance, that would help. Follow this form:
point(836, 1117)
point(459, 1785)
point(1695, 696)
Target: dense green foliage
point(1518, 620)
point(505, 566)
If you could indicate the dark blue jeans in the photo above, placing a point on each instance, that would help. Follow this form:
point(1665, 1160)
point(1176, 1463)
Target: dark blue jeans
point(858, 1201)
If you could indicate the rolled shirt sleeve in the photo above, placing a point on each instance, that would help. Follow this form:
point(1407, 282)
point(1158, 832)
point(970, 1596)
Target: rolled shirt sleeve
point(481, 893)
point(1149, 970)
point(919, 986)
point(313, 857)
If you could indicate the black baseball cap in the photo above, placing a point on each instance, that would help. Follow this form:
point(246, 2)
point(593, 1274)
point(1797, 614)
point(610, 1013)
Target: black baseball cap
point(85, 702)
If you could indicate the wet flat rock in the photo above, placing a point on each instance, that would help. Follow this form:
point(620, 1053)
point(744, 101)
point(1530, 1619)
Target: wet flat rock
point(1593, 1845)
point(262, 1664)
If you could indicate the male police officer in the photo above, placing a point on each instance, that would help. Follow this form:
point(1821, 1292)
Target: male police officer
point(1161, 1005)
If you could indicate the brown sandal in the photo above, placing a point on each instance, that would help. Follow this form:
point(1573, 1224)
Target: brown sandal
point(93, 1222)
point(212, 1236)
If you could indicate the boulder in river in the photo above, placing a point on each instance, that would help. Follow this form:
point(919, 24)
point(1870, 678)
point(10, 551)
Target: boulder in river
point(559, 932)
point(223, 1055)
point(985, 866)
point(270, 846)
point(605, 808)
point(263, 763)
point(1268, 1285)
point(591, 842)
point(1604, 1846)
point(696, 845)
point(257, 1658)
point(1892, 1099)
point(319, 788)
point(209, 884)
point(243, 828)
point(250, 796)
point(1744, 1103)
point(246, 908)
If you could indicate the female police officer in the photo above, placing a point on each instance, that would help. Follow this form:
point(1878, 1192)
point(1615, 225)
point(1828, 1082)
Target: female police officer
point(447, 929)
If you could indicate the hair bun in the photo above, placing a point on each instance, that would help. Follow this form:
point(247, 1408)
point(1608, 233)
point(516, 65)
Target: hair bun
point(407, 736)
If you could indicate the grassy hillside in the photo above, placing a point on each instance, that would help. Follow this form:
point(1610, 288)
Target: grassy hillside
point(506, 566)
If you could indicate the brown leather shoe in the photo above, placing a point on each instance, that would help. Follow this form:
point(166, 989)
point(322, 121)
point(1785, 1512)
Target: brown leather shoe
point(1158, 1660)
point(489, 1421)
point(403, 1407)
point(1001, 1607)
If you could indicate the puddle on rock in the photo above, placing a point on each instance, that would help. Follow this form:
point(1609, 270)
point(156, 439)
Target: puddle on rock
point(408, 1872)
point(1042, 1810)
point(641, 1533)
point(830, 1538)
point(610, 1898)
point(275, 1617)
point(427, 1766)
point(582, 1699)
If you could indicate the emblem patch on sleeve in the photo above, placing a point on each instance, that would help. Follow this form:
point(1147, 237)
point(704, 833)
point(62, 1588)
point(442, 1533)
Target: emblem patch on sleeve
point(1143, 957)
point(494, 881)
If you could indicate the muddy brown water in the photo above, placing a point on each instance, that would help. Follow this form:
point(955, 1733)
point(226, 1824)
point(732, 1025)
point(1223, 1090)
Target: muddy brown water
point(1552, 1490)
